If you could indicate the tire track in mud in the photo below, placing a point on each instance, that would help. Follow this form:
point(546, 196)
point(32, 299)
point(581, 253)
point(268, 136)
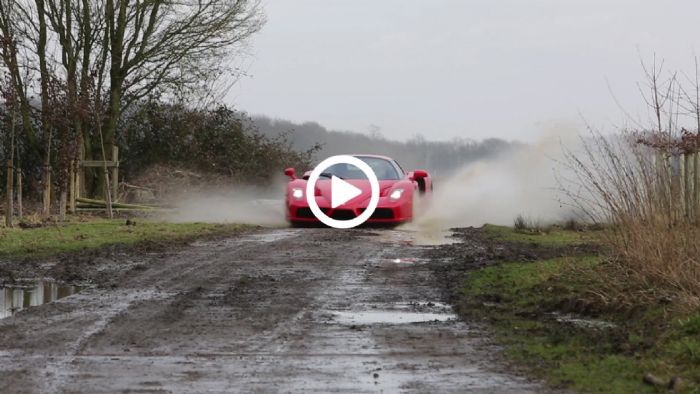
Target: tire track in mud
point(387, 330)
point(58, 368)
point(275, 310)
point(65, 328)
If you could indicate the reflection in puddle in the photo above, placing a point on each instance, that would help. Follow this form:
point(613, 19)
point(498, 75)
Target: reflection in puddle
point(400, 313)
point(407, 260)
point(14, 299)
point(583, 322)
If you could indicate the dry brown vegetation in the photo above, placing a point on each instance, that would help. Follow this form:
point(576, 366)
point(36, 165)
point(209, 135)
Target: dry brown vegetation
point(645, 182)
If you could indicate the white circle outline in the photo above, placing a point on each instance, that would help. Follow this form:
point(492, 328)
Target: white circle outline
point(311, 194)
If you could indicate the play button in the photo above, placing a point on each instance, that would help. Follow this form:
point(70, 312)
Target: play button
point(342, 192)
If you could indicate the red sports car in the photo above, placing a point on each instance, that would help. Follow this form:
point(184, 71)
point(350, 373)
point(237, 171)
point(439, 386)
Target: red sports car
point(398, 190)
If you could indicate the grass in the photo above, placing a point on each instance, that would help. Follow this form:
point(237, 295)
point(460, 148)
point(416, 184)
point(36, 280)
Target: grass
point(522, 302)
point(549, 236)
point(90, 234)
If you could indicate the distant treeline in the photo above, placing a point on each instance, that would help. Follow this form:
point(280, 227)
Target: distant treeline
point(418, 152)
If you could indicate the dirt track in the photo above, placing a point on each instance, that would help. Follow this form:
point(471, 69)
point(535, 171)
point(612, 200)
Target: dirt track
point(272, 310)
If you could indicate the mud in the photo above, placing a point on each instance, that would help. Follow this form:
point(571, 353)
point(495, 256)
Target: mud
point(275, 310)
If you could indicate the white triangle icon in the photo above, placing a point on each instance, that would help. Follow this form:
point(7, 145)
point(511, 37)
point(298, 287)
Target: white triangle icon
point(342, 192)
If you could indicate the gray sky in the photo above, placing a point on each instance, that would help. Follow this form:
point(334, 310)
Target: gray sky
point(460, 68)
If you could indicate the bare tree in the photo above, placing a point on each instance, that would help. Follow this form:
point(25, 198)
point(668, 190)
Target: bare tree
point(126, 49)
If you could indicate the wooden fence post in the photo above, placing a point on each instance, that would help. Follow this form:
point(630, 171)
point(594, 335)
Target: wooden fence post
point(663, 182)
point(687, 186)
point(63, 201)
point(115, 172)
point(9, 211)
point(80, 175)
point(19, 193)
point(676, 185)
point(696, 180)
point(72, 187)
point(47, 192)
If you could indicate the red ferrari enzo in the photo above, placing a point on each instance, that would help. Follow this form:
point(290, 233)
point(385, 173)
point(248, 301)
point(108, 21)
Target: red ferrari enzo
point(398, 190)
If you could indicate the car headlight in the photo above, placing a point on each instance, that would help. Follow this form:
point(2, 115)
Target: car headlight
point(396, 194)
point(297, 193)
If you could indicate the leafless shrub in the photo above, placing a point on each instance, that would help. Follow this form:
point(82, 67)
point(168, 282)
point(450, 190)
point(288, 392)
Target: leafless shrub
point(645, 184)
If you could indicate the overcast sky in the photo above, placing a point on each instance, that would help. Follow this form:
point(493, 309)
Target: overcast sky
point(460, 68)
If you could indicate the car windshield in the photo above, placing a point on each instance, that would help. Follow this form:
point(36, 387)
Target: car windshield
point(383, 168)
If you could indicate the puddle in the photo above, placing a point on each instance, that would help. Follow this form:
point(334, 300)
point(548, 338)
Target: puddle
point(408, 260)
point(411, 236)
point(14, 299)
point(388, 317)
point(433, 238)
point(272, 236)
point(400, 313)
point(261, 237)
point(582, 322)
point(404, 260)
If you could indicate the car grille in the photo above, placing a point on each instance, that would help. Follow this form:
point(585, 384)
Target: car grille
point(305, 213)
point(346, 214)
point(343, 214)
point(381, 213)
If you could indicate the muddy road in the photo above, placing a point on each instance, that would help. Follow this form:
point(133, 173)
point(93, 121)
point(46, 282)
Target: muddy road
point(274, 310)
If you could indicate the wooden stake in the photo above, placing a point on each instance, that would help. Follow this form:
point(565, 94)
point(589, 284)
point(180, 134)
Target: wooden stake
point(19, 193)
point(47, 192)
point(10, 195)
point(662, 184)
point(687, 192)
point(696, 181)
point(80, 176)
point(115, 173)
point(108, 195)
point(62, 203)
point(78, 184)
point(674, 164)
point(72, 185)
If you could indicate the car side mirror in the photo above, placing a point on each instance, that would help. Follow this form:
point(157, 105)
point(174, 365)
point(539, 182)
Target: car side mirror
point(291, 173)
point(419, 174)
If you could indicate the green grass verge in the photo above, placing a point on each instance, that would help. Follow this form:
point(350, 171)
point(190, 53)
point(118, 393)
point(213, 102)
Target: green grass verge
point(553, 236)
point(76, 236)
point(525, 302)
